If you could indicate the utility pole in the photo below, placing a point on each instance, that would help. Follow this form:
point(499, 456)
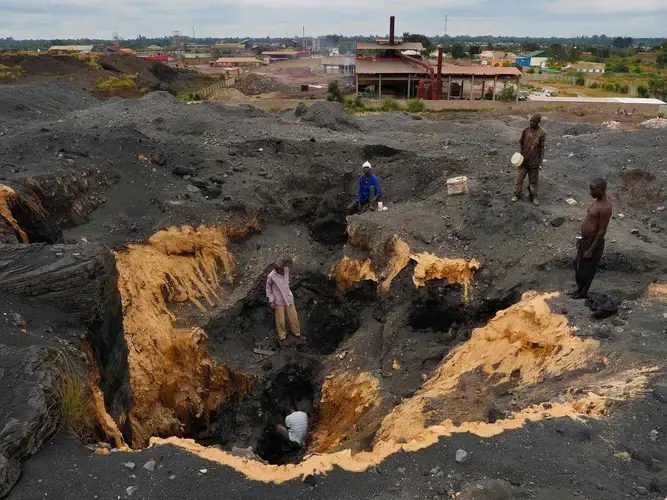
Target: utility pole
point(446, 19)
point(193, 32)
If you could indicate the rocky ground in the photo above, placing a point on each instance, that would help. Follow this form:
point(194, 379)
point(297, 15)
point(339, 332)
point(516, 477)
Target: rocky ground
point(173, 322)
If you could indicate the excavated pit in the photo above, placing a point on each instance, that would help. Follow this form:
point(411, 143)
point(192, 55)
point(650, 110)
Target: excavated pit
point(200, 388)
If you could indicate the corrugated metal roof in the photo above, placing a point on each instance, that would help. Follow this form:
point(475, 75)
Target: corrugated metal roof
point(338, 61)
point(238, 60)
point(280, 53)
point(400, 66)
point(619, 100)
point(198, 55)
point(72, 48)
point(397, 46)
point(451, 69)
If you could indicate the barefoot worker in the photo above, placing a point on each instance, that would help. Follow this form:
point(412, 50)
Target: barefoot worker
point(368, 192)
point(281, 300)
point(532, 143)
point(591, 244)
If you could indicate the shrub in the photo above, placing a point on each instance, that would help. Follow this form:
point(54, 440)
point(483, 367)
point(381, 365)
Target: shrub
point(595, 85)
point(507, 95)
point(91, 59)
point(334, 93)
point(642, 91)
point(354, 104)
point(389, 104)
point(580, 81)
point(531, 71)
point(121, 82)
point(415, 106)
point(617, 65)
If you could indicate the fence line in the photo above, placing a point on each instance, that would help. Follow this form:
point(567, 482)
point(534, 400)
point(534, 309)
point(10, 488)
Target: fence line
point(207, 92)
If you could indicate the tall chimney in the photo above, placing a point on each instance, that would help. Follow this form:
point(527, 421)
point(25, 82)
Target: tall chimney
point(439, 76)
point(391, 30)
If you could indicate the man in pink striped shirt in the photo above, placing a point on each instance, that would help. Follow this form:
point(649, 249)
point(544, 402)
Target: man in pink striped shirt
point(281, 300)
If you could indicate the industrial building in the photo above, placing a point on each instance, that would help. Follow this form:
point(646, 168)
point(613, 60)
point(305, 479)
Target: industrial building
point(383, 69)
point(342, 65)
point(70, 49)
point(238, 62)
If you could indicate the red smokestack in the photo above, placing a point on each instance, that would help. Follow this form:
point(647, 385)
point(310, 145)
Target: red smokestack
point(439, 75)
point(391, 30)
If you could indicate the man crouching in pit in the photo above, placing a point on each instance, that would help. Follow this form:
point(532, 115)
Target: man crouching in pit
point(281, 299)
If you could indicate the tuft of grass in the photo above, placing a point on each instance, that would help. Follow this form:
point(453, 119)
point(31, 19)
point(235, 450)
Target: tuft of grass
point(113, 83)
point(73, 397)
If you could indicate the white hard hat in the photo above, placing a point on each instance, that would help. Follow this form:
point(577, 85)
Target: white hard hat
point(367, 165)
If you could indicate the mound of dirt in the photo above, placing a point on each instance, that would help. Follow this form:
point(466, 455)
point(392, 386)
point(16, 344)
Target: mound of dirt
point(41, 100)
point(86, 71)
point(254, 84)
point(231, 96)
point(330, 115)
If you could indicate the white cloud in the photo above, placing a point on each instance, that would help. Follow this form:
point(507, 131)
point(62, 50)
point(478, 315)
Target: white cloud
point(229, 18)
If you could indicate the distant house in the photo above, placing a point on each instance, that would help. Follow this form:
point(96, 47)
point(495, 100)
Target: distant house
point(587, 67)
point(238, 62)
point(538, 58)
point(70, 49)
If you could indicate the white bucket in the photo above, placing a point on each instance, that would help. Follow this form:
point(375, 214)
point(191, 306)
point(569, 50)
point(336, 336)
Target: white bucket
point(457, 185)
point(379, 206)
point(517, 160)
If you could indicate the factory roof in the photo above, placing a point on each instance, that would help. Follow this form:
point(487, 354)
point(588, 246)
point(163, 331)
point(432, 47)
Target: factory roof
point(238, 60)
point(386, 46)
point(454, 70)
point(619, 100)
point(388, 66)
point(72, 48)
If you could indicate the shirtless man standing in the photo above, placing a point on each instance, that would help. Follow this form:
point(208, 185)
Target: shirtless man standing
point(591, 244)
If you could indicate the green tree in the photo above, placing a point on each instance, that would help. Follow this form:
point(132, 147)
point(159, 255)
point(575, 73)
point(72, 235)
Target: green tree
point(458, 51)
point(474, 50)
point(508, 94)
point(416, 38)
point(642, 91)
point(657, 86)
point(617, 65)
point(334, 93)
point(662, 57)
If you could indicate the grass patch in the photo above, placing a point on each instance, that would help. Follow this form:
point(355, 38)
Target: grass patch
point(92, 60)
point(189, 96)
point(10, 72)
point(73, 397)
point(114, 83)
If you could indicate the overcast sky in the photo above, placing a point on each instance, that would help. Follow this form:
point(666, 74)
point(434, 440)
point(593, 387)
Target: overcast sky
point(220, 18)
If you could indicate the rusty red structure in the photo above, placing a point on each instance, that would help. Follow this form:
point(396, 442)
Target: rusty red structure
point(389, 62)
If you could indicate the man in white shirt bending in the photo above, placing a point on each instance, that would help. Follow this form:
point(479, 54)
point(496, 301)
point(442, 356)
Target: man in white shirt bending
point(295, 429)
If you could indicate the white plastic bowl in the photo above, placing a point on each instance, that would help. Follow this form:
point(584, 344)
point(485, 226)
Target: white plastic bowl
point(517, 159)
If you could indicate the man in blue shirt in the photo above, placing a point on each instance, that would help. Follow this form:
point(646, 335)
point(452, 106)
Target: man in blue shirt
point(369, 191)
